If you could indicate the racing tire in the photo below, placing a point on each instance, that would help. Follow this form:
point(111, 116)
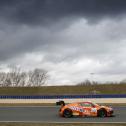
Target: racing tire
point(67, 113)
point(102, 113)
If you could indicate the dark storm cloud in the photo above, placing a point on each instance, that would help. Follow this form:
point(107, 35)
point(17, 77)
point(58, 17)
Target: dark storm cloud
point(47, 11)
point(19, 40)
point(22, 23)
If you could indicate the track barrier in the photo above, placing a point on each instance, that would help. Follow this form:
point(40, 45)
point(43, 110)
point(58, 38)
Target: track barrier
point(62, 96)
point(26, 99)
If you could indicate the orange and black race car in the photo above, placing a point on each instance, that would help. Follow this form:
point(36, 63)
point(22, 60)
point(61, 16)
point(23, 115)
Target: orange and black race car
point(84, 109)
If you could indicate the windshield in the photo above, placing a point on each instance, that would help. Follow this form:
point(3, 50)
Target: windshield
point(87, 104)
point(95, 104)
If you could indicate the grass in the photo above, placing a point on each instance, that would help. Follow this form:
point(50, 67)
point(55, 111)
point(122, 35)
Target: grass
point(59, 124)
point(49, 90)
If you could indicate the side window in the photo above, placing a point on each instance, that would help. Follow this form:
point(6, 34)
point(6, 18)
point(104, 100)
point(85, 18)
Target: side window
point(86, 104)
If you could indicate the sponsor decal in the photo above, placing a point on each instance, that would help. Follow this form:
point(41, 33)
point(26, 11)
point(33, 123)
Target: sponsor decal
point(93, 110)
point(77, 109)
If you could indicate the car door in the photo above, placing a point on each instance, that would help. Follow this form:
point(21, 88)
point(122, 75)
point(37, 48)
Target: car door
point(87, 108)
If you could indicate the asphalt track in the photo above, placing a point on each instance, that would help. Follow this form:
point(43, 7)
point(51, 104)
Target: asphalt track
point(50, 115)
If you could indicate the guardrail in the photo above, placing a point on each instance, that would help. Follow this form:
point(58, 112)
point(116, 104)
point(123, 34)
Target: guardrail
point(62, 96)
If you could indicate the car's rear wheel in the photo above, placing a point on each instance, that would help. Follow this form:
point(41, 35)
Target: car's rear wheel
point(102, 113)
point(67, 113)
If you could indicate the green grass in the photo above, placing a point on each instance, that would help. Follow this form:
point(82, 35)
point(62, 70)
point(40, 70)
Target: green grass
point(46, 90)
point(56, 124)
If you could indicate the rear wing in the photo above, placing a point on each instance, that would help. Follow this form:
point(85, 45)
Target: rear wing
point(62, 103)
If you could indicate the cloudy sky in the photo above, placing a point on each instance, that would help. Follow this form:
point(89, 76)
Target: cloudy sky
point(69, 38)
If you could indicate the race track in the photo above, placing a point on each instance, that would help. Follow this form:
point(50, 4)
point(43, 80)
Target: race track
point(50, 114)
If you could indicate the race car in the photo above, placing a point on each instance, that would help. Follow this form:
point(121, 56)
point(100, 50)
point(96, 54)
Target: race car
point(84, 109)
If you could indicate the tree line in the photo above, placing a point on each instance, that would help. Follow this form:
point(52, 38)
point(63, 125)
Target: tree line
point(17, 78)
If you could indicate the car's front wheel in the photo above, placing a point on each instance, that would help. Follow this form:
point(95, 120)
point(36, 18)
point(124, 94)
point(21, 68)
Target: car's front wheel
point(67, 113)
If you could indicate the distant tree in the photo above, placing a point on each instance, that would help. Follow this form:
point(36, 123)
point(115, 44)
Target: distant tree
point(16, 78)
point(23, 78)
point(85, 83)
point(37, 77)
point(2, 78)
point(7, 82)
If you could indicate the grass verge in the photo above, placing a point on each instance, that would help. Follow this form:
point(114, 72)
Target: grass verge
point(49, 90)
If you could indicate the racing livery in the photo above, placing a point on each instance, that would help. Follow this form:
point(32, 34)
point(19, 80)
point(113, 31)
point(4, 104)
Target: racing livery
point(84, 109)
